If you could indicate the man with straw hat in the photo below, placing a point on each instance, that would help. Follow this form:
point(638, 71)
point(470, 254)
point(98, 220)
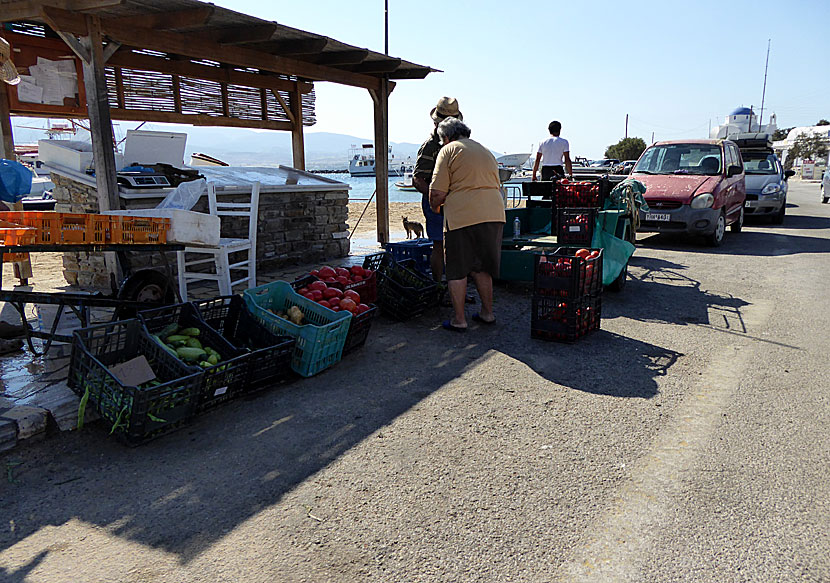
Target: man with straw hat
point(424, 165)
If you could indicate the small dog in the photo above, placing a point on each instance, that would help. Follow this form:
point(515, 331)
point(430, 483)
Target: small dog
point(413, 227)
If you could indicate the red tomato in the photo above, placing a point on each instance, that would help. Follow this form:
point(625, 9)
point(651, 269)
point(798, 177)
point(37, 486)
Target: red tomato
point(315, 273)
point(326, 271)
point(329, 280)
point(324, 303)
point(357, 270)
point(357, 278)
point(302, 291)
point(583, 253)
point(342, 279)
point(331, 292)
point(362, 308)
point(342, 271)
point(316, 295)
point(308, 295)
point(367, 273)
point(352, 295)
point(317, 285)
point(336, 308)
point(334, 301)
point(347, 304)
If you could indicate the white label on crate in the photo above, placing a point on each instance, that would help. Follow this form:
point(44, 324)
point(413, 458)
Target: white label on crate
point(574, 228)
point(220, 391)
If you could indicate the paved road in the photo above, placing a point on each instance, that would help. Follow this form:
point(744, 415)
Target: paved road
point(686, 441)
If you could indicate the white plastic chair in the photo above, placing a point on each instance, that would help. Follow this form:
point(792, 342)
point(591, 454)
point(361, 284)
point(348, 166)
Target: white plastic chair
point(220, 256)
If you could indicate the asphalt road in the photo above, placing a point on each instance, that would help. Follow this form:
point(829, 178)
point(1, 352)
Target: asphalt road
point(685, 441)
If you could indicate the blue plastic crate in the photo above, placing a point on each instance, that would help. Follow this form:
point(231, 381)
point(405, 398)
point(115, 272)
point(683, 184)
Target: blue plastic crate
point(418, 249)
point(319, 344)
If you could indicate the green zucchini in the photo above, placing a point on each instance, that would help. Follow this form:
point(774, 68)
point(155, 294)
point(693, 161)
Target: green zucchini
point(190, 332)
point(169, 330)
point(188, 354)
point(177, 338)
point(194, 343)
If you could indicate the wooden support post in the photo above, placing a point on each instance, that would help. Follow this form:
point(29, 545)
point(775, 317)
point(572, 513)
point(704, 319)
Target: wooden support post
point(297, 139)
point(381, 99)
point(6, 136)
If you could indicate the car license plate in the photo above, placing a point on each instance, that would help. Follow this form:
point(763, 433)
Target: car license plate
point(751, 203)
point(658, 217)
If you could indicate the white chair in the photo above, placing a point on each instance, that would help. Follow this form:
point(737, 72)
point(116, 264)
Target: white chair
point(220, 256)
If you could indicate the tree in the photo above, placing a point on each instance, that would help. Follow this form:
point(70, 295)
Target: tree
point(780, 134)
point(823, 122)
point(808, 147)
point(626, 149)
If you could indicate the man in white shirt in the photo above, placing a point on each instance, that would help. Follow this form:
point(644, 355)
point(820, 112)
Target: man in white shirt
point(551, 154)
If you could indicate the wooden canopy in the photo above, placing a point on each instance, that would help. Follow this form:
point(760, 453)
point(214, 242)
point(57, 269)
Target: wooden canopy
point(185, 61)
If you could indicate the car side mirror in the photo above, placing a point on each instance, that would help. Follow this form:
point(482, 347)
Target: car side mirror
point(733, 171)
point(788, 173)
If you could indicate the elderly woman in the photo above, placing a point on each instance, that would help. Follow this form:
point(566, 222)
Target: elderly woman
point(466, 183)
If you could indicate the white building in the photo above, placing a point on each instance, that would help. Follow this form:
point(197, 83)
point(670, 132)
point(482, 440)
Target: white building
point(783, 146)
point(742, 121)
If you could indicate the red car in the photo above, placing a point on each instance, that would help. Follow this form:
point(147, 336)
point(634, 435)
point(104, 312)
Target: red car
point(695, 187)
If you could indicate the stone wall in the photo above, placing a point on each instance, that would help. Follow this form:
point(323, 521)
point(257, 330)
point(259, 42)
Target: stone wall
point(299, 227)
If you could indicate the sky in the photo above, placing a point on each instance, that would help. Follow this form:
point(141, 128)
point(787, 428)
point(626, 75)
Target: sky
point(674, 68)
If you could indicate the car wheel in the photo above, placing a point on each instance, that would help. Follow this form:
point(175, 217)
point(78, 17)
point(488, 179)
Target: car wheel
point(824, 197)
point(778, 218)
point(716, 238)
point(739, 224)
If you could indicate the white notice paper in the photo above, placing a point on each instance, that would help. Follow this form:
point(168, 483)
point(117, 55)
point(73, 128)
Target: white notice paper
point(29, 92)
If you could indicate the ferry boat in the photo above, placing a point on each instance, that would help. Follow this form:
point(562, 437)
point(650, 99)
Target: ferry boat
point(362, 161)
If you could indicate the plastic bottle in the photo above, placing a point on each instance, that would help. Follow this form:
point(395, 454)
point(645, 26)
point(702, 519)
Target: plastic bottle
point(517, 228)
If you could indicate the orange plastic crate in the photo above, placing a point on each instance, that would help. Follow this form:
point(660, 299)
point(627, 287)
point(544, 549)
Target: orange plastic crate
point(12, 234)
point(67, 228)
point(135, 230)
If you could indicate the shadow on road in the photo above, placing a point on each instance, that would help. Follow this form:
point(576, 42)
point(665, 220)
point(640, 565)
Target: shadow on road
point(183, 492)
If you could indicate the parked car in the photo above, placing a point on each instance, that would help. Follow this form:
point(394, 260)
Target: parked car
point(766, 179)
point(605, 162)
point(825, 186)
point(624, 167)
point(694, 187)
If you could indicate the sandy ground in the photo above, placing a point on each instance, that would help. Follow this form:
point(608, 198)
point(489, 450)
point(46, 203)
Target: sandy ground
point(397, 210)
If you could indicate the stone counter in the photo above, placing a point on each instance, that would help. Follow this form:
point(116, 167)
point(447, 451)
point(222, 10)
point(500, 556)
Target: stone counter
point(295, 226)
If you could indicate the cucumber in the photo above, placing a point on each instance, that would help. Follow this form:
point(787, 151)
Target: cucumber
point(194, 343)
point(177, 338)
point(163, 345)
point(168, 330)
point(188, 354)
point(213, 359)
point(190, 332)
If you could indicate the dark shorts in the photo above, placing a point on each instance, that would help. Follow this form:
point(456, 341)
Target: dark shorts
point(550, 172)
point(434, 221)
point(476, 248)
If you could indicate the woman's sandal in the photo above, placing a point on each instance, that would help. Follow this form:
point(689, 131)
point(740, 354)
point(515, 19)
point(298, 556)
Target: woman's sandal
point(481, 320)
point(447, 325)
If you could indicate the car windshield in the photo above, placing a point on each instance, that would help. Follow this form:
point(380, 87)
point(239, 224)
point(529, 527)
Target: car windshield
point(700, 159)
point(759, 163)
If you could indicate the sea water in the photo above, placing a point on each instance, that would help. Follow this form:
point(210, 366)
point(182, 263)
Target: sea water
point(362, 188)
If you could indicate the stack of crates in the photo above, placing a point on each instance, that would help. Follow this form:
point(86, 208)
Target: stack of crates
point(403, 291)
point(567, 295)
point(418, 250)
point(577, 205)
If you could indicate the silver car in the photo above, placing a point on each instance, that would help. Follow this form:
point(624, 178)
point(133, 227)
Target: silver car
point(766, 185)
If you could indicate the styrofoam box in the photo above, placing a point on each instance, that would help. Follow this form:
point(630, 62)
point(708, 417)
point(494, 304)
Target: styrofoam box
point(70, 154)
point(186, 227)
point(150, 147)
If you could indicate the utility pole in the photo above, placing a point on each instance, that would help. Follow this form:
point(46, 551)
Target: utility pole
point(626, 126)
point(386, 27)
point(652, 137)
point(764, 93)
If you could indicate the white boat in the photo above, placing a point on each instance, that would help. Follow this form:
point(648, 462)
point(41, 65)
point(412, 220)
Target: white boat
point(406, 183)
point(362, 161)
point(512, 160)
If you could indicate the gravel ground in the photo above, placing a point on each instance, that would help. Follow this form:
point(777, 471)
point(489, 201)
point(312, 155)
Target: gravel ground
point(687, 440)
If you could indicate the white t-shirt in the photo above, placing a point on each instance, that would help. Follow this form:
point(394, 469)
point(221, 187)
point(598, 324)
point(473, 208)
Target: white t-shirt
point(552, 151)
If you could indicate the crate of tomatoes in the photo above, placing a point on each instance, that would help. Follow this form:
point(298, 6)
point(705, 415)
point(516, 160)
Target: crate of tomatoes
point(355, 278)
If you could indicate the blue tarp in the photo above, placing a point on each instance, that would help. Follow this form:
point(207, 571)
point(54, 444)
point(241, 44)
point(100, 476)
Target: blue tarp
point(15, 181)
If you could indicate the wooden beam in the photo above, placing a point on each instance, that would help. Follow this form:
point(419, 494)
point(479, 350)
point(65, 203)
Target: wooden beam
point(231, 35)
point(226, 109)
point(130, 60)
point(176, 19)
point(110, 49)
point(340, 57)
point(80, 50)
point(306, 46)
point(6, 135)
point(377, 66)
point(100, 122)
point(285, 106)
point(197, 119)
point(119, 88)
point(196, 47)
point(30, 9)
point(297, 138)
point(263, 101)
point(177, 93)
point(381, 101)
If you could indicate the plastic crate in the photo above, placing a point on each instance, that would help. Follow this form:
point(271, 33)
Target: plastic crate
point(538, 188)
point(269, 359)
point(104, 229)
point(13, 234)
point(135, 414)
point(418, 249)
point(366, 289)
point(319, 343)
point(563, 275)
point(359, 329)
point(578, 194)
point(377, 262)
point(221, 382)
point(142, 230)
point(564, 319)
point(404, 293)
point(53, 228)
point(575, 226)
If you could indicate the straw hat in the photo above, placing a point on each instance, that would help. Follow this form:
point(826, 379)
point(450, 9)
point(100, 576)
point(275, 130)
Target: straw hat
point(447, 107)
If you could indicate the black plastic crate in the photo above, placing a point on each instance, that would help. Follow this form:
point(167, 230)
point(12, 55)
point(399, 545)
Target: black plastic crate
point(575, 226)
point(268, 355)
point(539, 188)
point(135, 414)
point(404, 293)
point(221, 382)
point(359, 329)
point(377, 262)
point(564, 275)
point(588, 193)
point(564, 319)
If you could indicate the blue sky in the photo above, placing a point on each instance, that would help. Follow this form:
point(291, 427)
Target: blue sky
point(515, 66)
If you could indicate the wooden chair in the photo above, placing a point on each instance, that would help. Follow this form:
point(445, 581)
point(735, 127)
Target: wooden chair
point(220, 256)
